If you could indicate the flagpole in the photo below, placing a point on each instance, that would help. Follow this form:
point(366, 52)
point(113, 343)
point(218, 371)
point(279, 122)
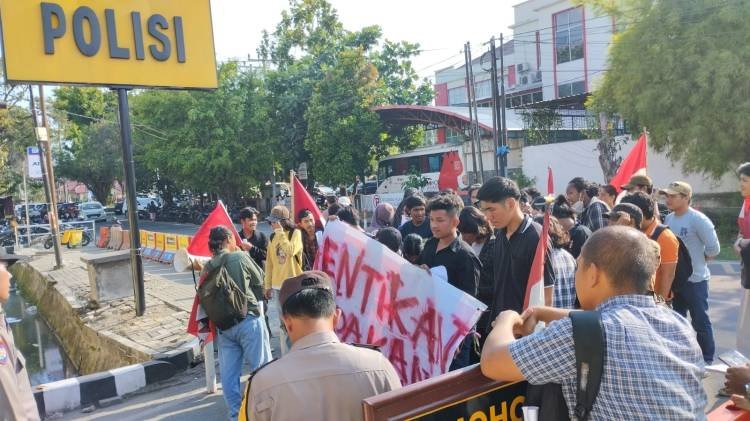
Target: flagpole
point(291, 195)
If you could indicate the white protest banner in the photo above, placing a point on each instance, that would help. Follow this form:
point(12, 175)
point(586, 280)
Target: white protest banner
point(418, 322)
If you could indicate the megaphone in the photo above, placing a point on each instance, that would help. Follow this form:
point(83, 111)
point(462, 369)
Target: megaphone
point(183, 261)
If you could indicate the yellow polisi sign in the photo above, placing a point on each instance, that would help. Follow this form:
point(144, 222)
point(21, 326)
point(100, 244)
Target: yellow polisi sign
point(138, 43)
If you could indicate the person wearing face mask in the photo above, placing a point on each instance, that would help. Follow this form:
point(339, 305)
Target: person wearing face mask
point(16, 400)
point(574, 194)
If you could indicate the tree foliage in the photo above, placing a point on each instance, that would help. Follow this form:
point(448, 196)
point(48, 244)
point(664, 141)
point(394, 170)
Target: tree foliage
point(94, 159)
point(677, 68)
point(207, 141)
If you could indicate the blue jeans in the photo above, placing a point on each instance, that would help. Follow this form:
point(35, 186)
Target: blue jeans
point(247, 342)
point(693, 298)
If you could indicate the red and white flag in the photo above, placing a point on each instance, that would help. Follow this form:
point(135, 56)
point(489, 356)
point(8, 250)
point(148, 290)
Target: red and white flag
point(301, 199)
point(535, 284)
point(635, 162)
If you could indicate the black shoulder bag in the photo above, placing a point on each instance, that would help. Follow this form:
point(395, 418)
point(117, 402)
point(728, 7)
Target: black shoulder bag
point(590, 349)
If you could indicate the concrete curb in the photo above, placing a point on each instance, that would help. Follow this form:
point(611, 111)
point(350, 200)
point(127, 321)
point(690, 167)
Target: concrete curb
point(69, 394)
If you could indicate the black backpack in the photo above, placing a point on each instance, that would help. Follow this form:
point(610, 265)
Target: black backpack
point(590, 351)
point(684, 269)
point(223, 300)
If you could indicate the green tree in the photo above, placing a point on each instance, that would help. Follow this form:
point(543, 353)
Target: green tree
point(677, 69)
point(94, 159)
point(83, 107)
point(343, 133)
point(207, 141)
point(308, 49)
point(16, 133)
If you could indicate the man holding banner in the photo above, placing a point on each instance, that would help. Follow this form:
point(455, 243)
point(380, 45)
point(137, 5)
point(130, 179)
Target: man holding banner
point(448, 250)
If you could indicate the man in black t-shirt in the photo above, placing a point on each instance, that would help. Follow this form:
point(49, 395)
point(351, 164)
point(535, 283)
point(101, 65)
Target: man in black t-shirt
point(419, 224)
point(448, 250)
point(516, 240)
point(253, 241)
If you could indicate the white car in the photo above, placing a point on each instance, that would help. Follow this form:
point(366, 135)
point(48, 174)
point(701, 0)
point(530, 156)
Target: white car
point(143, 203)
point(92, 210)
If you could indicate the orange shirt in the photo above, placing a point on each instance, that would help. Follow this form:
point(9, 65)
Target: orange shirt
point(668, 245)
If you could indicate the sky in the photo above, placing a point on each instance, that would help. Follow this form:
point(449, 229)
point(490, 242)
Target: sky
point(441, 27)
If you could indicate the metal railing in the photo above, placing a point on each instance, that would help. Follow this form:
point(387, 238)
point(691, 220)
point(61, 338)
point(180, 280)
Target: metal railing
point(34, 234)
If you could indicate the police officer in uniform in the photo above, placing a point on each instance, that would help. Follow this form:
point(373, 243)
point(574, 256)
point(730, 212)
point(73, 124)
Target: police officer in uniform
point(16, 400)
point(320, 378)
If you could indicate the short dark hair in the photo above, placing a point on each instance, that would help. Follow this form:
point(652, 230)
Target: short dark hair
point(331, 199)
point(561, 209)
point(248, 213)
point(642, 201)
point(497, 189)
point(557, 234)
point(304, 213)
point(413, 245)
point(334, 209)
point(313, 303)
point(632, 210)
point(216, 238)
point(631, 265)
point(591, 189)
point(349, 215)
point(533, 192)
point(415, 201)
point(472, 221)
point(450, 203)
point(524, 197)
point(744, 169)
point(389, 237)
point(578, 183)
point(610, 189)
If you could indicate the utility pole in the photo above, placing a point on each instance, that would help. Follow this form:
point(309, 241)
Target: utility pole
point(495, 109)
point(48, 151)
point(503, 157)
point(43, 137)
point(473, 105)
point(471, 118)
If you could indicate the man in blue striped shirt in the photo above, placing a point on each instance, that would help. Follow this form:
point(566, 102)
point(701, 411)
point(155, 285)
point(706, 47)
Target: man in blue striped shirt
point(653, 366)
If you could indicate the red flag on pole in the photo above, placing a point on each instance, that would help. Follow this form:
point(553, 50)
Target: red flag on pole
point(199, 244)
point(535, 284)
point(550, 182)
point(301, 199)
point(635, 162)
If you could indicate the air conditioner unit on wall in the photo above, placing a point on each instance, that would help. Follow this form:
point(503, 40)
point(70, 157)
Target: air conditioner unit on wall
point(524, 80)
point(536, 76)
point(523, 67)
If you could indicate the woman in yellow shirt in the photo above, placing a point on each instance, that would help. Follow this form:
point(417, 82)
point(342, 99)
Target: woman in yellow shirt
point(284, 260)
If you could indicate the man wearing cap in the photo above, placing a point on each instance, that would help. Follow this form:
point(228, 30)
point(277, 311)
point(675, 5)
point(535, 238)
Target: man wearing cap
point(16, 400)
point(626, 214)
point(644, 183)
point(698, 233)
point(319, 378)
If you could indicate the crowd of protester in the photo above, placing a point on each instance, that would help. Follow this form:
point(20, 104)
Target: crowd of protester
point(611, 253)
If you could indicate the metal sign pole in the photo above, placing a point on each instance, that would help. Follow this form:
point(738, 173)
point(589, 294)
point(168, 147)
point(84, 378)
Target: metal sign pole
point(136, 264)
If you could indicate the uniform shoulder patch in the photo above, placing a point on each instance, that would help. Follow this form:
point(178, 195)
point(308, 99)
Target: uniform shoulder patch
point(366, 346)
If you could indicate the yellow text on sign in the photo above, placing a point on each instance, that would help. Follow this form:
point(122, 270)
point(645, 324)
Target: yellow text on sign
point(498, 412)
point(150, 43)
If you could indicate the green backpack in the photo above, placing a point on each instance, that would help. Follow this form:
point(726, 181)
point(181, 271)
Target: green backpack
point(223, 300)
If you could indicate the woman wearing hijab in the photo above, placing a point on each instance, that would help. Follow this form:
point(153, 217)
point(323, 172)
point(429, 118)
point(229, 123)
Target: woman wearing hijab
point(382, 218)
